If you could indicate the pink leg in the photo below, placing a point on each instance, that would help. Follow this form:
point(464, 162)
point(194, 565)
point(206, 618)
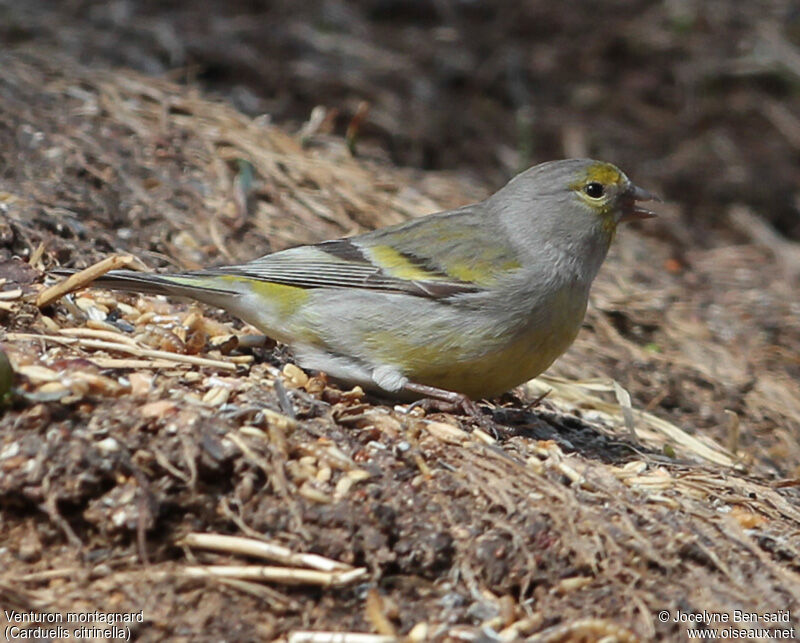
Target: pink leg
point(440, 399)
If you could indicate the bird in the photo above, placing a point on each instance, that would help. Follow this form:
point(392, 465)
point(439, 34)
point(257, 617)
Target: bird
point(453, 306)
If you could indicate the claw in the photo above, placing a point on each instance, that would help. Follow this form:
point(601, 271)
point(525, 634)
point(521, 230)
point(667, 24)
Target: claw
point(439, 399)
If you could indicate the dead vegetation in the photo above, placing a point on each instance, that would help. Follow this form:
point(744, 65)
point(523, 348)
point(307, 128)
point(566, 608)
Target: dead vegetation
point(659, 473)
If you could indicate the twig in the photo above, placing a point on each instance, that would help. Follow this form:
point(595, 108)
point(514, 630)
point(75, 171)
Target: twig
point(624, 399)
point(278, 601)
point(126, 348)
point(351, 136)
point(285, 575)
point(48, 574)
point(83, 278)
point(261, 549)
point(93, 333)
point(115, 362)
point(8, 295)
point(338, 637)
point(375, 612)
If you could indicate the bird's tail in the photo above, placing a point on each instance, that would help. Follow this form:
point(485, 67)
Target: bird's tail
point(202, 286)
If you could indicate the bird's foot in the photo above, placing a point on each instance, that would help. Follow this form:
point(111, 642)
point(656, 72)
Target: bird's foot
point(443, 401)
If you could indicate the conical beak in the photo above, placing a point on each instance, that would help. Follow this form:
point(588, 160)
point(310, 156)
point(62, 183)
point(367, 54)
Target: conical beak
point(631, 210)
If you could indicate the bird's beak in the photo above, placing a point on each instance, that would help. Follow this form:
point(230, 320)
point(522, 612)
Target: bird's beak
point(631, 210)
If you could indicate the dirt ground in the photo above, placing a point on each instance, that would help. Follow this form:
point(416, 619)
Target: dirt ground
point(659, 473)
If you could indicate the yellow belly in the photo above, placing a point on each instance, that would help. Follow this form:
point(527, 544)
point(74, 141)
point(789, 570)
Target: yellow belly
point(485, 360)
point(497, 371)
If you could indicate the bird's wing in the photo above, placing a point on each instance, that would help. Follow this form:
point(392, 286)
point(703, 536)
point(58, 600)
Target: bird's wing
point(456, 259)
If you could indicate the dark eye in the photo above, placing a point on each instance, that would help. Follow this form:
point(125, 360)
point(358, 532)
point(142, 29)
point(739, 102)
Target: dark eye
point(594, 190)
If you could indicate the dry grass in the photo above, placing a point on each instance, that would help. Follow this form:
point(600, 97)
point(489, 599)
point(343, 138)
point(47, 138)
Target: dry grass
point(658, 473)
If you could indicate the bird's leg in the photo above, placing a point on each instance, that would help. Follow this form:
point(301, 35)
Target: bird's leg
point(440, 399)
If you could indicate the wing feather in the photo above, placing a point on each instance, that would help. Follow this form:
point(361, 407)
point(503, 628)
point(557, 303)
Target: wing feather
point(340, 264)
point(433, 257)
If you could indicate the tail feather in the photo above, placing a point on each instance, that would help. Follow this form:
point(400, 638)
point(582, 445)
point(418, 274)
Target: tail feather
point(195, 285)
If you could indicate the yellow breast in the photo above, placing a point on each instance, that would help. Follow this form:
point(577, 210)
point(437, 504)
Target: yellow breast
point(486, 361)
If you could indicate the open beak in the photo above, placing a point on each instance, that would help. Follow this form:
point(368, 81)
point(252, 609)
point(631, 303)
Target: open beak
point(631, 210)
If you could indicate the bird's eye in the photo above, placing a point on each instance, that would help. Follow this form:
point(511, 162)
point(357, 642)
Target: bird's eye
point(594, 190)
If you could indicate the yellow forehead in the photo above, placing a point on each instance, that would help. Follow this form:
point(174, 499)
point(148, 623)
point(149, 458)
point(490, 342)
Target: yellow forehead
point(604, 173)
